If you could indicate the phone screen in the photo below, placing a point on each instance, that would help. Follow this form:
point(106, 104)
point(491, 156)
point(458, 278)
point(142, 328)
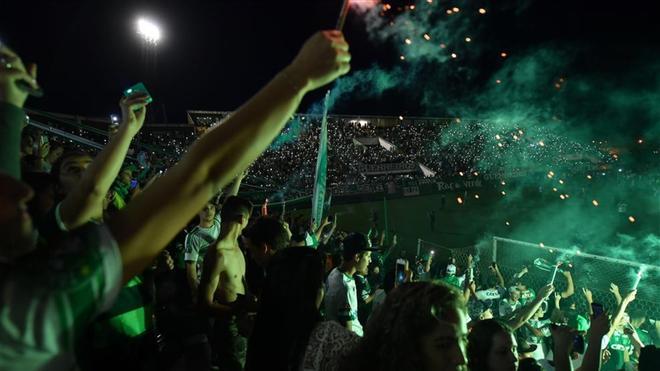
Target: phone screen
point(134, 184)
point(138, 88)
point(400, 272)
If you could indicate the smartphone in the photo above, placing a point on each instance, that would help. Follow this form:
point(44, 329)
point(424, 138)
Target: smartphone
point(578, 343)
point(134, 184)
point(138, 88)
point(400, 272)
point(597, 309)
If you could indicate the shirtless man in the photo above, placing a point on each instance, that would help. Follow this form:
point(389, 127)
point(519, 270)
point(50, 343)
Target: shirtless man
point(223, 281)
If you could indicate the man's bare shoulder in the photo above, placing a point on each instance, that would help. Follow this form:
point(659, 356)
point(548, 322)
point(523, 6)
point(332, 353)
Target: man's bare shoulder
point(223, 248)
point(214, 256)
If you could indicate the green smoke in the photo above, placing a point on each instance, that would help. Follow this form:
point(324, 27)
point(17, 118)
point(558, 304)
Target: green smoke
point(538, 110)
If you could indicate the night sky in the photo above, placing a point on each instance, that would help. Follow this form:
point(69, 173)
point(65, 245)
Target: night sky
point(216, 54)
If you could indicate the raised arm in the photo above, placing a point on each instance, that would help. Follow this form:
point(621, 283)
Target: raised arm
point(85, 201)
point(326, 237)
point(192, 278)
point(570, 289)
point(588, 296)
point(152, 219)
point(233, 191)
point(614, 289)
point(498, 274)
point(634, 339)
point(618, 315)
point(525, 313)
point(469, 290)
point(562, 337)
point(593, 355)
point(12, 116)
point(318, 232)
point(429, 261)
point(519, 275)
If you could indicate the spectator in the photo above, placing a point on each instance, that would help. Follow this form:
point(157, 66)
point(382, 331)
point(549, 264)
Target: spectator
point(44, 194)
point(289, 333)
point(492, 346)
point(182, 331)
point(54, 154)
point(341, 302)
point(68, 170)
point(617, 342)
point(83, 183)
point(510, 304)
point(222, 290)
point(83, 189)
point(137, 234)
point(12, 115)
point(637, 321)
point(365, 294)
point(265, 237)
point(478, 310)
point(262, 240)
point(197, 242)
point(649, 359)
point(423, 267)
point(27, 145)
point(536, 330)
point(527, 293)
point(421, 326)
point(492, 287)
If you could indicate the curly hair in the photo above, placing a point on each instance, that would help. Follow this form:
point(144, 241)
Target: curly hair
point(393, 335)
point(480, 342)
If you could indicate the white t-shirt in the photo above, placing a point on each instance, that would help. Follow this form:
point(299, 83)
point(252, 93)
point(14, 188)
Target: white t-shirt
point(198, 241)
point(341, 303)
point(45, 302)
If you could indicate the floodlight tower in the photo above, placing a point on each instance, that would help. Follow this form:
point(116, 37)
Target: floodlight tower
point(150, 33)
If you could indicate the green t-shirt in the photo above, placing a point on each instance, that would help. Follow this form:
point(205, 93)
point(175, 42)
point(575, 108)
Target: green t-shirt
point(129, 317)
point(47, 300)
point(618, 345)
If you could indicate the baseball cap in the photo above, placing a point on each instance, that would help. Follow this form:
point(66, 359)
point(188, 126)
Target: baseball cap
point(356, 243)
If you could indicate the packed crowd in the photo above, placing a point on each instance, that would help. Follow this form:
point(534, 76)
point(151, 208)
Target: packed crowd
point(109, 266)
point(298, 147)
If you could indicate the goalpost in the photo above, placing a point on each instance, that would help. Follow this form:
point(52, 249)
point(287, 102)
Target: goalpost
point(595, 272)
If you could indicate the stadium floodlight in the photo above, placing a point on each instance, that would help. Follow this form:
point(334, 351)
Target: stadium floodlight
point(149, 31)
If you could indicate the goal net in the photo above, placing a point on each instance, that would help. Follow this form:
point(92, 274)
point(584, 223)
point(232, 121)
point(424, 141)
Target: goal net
point(588, 271)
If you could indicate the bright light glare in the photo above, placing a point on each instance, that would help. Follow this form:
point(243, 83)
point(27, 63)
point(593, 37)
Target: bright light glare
point(148, 30)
